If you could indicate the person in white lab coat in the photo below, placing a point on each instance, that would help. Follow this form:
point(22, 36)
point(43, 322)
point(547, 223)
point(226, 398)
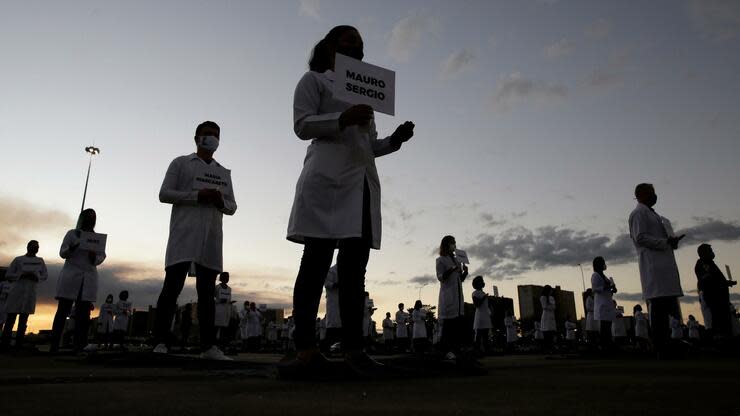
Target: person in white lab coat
point(369, 308)
point(77, 283)
point(548, 325)
point(222, 312)
point(510, 323)
point(570, 331)
point(402, 333)
point(642, 332)
point(122, 312)
point(538, 335)
point(388, 332)
point(482, 322)
point(5, 287)
point(655, 242)
point(200, 192)
point(592, 325)
point(337, 200)
point(105, 321)
point(604, 289)
point(619, 329)
point(693, 326)
point(254, 328)
point(25, 272)
point(451, 274)
point(676, 328)
point(244, 325)
point(333, 317)
point(419, 316)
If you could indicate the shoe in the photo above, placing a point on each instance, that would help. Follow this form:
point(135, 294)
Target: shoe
point(160, 349)
point(450, 357)
point(215, 354)
point(363, 365)
point(90, 348)
point(310, 365)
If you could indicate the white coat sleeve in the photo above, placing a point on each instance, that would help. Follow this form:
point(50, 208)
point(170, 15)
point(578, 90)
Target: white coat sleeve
point(638, 231)
point(308, 124)
point(44, 274)
point(441, 269)
point(14, 270)
point(168, 192)
point(381, 147)
point(229, 203)
point(597, 284)
point(69, 239)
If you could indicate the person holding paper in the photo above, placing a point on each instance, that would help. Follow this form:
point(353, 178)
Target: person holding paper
point(122, 317)
point(105, 322)
point(605, 313)
point(78, 281)
point(451, 274)
point(655, 243)
point(402, 333)
point(337, 202)
point(200, 192)
point(25, 271)
point(482, 323)
point(222, 314)
point(715, 291)
point(419, 316)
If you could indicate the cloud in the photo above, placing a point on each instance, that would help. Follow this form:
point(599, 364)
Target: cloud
point(457, 62)
point(717, 20)
point(407, 35)
point(690, 296)
point(598, 29)
point(425, 280)
point(559, 49)
point(610, 74)
point(515, 89)
point(309, 8)
point(490, 221)
point(20, 220)
point(710, 229)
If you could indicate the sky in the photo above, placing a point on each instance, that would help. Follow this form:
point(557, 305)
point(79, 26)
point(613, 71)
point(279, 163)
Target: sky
point(534, 121)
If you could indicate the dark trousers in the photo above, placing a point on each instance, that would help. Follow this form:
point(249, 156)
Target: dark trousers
point(351, 265)
point(605, 335)
point(174, 280)
point(719, 305)
point(481, 340)
point(455, 334)
point(660, 309)
point(82, 322)
point(19, 333)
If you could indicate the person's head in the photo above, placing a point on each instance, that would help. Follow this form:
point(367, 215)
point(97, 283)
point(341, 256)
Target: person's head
point(705, 252)
point(123, 295)
point(599, 264)
point(691, 318)
point(478, 283)
point(447, 246)
point(546, 291)
point(223, 277)
point(246, 304)
point(400, 306)
point(636, 308)
point(32, 247)
point(87, 219)
point(207, 137)
point(340, 39)
point(589, 292)
point(252, 306)
point(645, 194)
point(109, 298)
point(418, 305)
point(387, 315)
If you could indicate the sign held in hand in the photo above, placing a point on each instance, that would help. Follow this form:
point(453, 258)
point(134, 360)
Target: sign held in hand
point(32, 266)
point(93, 241)
point(462, 256)
point(358, 82)
point(213, 177)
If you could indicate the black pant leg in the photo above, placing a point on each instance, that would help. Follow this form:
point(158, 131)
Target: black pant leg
point(8, 330)
point(352, 259)
point(174, 280)
point(205, 284)
point(60, 318)
point(660, 309)
point(309, 284)
point(21, 331)
point(82, 323)
point(605, 334)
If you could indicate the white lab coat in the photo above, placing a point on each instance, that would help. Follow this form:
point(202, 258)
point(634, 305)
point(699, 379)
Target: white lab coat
point(402, 318)
point(482, 313)
point(77, 271)
point(244, 324)
point(369, 304)
point(222, 314)
point(254, 323)
point(641, 325)
point(450, 304)
point(570, 331)
point(547, 322)
point(658, 270)
point(333, 319)
point(604, 309)
point(196, 233)
point(322, 329)
point(705, 311)
point(5, 287)
point(618, 328)
point(105, 318)
point(122, 313)
point(387, 329)
point(510, 324)
point(420, 327)
point(592, 325)
point(272, 331)
point(328, 200)
point(693, 328)
point(538, 335)
point(676, 330)
point(22, 296)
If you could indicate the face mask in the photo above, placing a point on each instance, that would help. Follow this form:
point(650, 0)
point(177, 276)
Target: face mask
point(207, 143)
point(453, 247)
point(352, 52)
point(652, 200)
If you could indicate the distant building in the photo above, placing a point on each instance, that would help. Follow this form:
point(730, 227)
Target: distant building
point(531, 309)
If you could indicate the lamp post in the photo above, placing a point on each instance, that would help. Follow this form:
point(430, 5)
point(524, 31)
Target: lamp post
point(92, 150)
point(583, 279)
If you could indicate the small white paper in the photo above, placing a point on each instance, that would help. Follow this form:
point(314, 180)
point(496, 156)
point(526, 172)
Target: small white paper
point(93, 241)
point(358, 82)
point(729, 273)
point(32, 266)
point(213, 177)
point(462, 256)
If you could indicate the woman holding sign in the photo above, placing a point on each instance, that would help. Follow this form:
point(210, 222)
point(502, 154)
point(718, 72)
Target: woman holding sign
point(78, 281)
point(337, 201)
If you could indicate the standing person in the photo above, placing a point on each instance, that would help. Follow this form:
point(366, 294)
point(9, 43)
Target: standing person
point(548, 326)
point(26, 272)
point(122, 317)
point(402, 333)
point(366, 319)
point(337, 201)
point(195, 243)
point(539, 337)
point(715, 291)
point(655, 243)
point(5, 287)
point(105, 322)
point(451, 273)
point(222, 315)
point(642, 333)
point(419, 316)
point(693, 329)
point(388, 332)
point(482, 323)
point(619, 330)
point(676, 328)
point(592, 325)
point(244, 326)
point(254, 327)
point(333, 317)
point(570, 332)
point(706, 313)
point(604, 289)
point(77, 283)
point(510, 324)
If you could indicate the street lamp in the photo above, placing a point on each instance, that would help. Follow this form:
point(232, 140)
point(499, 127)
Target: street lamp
point(92, 150)
point(583, 279)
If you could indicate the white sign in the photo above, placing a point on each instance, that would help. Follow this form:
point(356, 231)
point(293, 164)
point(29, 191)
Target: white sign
point(93, 241)
point(213, 177)
point(462, 256)
point(358, 82)
point(729, 273)
point(32, 266)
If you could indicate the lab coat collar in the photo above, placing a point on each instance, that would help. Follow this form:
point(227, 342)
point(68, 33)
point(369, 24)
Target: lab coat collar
point(195, 156)
point(330, 75)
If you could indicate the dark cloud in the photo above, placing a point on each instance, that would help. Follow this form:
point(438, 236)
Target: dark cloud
point(423, 280)
point(490, 221)
point(690, 296)
point(710, 229)
point(516, 89)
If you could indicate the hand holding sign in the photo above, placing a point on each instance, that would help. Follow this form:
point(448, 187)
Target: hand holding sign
point(404, 132)
point(357, 115)
point(358, 82)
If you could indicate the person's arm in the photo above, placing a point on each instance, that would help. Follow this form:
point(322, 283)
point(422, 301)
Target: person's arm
point(99, 258)
point(308, 124)
point(229, 207)
point(70, 243)
point(638, 231)
point(168, 192)
point(443, 271)
point(478, 300)
point(44, 273)
point(14, 270)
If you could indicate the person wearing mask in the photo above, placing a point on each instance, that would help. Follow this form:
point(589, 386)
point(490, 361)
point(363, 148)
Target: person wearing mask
point(105, 322)
point(123, 312)
point(222, 315)
point(333, 317)
point(419, 316)
point(654, 241)
point(642, 333)
point(337, 202)
point(548, 326)
point(451, 273)
point(482, 322)
point(388, 332)
point(25, 272)
point(402, 333)
point(77, 283)
point(200, 192)
point(604, 289)
point(715, 291)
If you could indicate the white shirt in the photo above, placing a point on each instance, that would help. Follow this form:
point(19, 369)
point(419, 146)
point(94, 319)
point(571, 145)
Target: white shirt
point(196, 233)
point(387, 329)
point(420, 327)
point(450, 304)
point(547, 322)
point(604, 309)
point(77, 271)
point(105, 318)
point(483, 312)
point(658, 270)
point(329, 194)
point(333, 319)
point(641, 325)
point(22, 294)
point(693, 328)
point(401, 318)
point(122, 314)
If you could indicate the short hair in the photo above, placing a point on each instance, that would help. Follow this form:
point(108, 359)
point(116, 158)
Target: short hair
point(703, 249)
point(31, 242)
point(598, 260)
point(478, 282)
point(445, 244)
point(643, 187)
point(207, 124)
point(123, 292)
point(401, 305)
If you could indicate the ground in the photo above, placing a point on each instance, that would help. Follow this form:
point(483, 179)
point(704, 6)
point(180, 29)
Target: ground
point(141, 384)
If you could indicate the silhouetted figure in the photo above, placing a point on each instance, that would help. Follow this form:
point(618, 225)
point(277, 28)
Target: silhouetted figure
point(195, 243)
point(5, 287)
point(548, 326)
point(123, 313)
point(337, 201)
point(402, 331)
point(451, 273)
point(25, 272)
point(333, 316)
point(254, 328)
point(388, 332)
point(77, 283)
point(655, 242)
point(482, 323)
point(642, 328)
point(244, 325)
point(715, 289)
point(222, 314)
point(592, 325)
point(605, 313)
point(420, 339)
point(105, 322)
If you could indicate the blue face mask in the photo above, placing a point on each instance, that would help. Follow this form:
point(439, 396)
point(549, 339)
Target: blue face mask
point(207, 143)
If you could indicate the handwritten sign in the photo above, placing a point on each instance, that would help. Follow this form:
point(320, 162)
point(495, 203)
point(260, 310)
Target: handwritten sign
point(358, 82)
point(462, 256)
point(32, 266)
point(93, 241)
point(210, 176)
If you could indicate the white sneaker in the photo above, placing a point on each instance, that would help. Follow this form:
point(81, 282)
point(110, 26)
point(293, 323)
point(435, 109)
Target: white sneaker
point(160, 349)
point(450, 357)
point(214, 353)
point(90, 348)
